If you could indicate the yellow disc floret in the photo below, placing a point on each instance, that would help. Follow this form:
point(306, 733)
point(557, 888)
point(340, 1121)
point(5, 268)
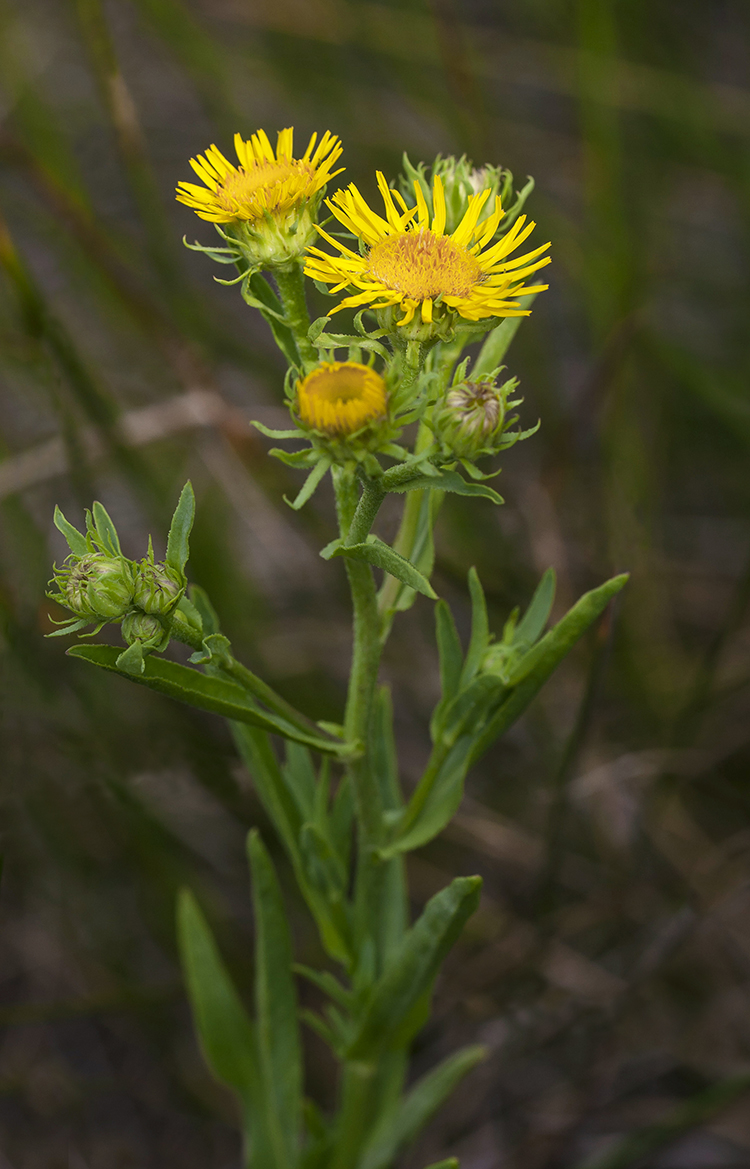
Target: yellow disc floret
point(410, 262)
point(265, 183)
point(341, 397)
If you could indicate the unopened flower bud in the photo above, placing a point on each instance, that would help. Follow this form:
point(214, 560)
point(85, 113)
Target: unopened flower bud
point(471, 420)
point(98, 587)
point(144, 627)
point(158, 588)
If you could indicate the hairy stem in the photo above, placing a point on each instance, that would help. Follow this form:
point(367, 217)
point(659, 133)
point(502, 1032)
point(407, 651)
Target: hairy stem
point(291, 285)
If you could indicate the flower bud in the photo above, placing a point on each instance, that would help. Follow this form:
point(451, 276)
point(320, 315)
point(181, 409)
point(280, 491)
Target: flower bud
point(146, 628)
point(97, 587)
point(158, 588)
point(461, 180)
point(471, 420)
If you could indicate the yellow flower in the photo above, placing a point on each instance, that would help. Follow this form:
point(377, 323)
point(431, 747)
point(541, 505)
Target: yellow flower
point(341, 397)
point(411, 263)
point(264, 183)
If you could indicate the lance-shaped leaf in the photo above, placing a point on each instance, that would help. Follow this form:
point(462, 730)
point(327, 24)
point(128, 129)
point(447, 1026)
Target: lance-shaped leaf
point(381, 555)
point(76, 542)
point(224, 1029)
point(277, 1029)
point(106, 530)
point(407, 981)
point(310, 484)
point(480, 629)
point(532, 623)
point(434, 802)
point(178, 547)
point(444, 481)
point(535, 667)
point(256, 751)
point(205, 692)
point(449, 650)
point(396, 1130)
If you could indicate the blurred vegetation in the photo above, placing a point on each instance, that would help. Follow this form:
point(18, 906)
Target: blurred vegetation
point(609, 967)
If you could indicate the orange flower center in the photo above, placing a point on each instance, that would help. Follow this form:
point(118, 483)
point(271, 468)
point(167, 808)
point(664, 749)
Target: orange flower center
point(421, 265)
point(277, 180)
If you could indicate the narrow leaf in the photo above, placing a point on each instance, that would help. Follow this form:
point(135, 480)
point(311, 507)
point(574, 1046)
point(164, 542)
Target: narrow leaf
point(394, 1132)
point(278, 1039)
point(76, 542)
point(449, 649)
point(480, 629)
point(311, 482)
point(178, 547)
point(383, 556)
point(448, 481)
point(438, 808)
point(224, 1029)
point(532, 624)
point(408, 978)
point(258, 293)
point(529, 677)
point(106, 530)
point(205, 692)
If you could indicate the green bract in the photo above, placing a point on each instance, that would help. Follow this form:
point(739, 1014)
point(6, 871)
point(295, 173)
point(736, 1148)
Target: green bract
point(96, 587)
point(158, 587)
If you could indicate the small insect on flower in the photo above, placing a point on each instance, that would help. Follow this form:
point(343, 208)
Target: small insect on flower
point(410, 264)
point(265, 183)
point(341, 397)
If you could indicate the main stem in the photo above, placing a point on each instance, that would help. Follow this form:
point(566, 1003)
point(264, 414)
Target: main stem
point(291, 285)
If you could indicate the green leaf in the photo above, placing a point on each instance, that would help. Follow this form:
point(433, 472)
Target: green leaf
point(203, 691)
point(448, 481)
point(381, 555)
point(131, 660)
point(178, 547)
point(407, 980)
point(106, 530)
point(224, 1029)
point(535, 618)
point(535, 667)
point(311, 482)
point(316, 328)
point(255, 750)
point(76, 542)
point(448, 1163)
point(299, 774)
point(208, 615)
point(323, 866)
point(276, 434)
point(480, 629)
point(395, 1131)
point(498, 341)
point(277, 1029)
point(444, 795)
point(449, 649)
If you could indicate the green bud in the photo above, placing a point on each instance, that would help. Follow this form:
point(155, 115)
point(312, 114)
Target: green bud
point(461, 179)
point(146, 628)
point(158, 588)
point(471, 420)
point(97, 587)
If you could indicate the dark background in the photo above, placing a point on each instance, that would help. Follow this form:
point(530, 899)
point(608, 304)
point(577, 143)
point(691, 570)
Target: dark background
point(608, 969)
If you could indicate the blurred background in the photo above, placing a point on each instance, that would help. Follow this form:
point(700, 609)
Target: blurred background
point(608, 970)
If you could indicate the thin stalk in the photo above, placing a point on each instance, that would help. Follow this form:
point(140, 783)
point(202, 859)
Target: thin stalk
point(407, 532)
point(291, 285)
point(183, 631)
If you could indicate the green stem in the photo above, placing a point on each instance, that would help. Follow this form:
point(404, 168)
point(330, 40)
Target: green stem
point(404, 542)
point(183, 631)
point(291, 285)
point(358, 1080)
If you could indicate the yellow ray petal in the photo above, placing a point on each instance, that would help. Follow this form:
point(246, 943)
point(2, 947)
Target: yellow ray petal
point(438, 202)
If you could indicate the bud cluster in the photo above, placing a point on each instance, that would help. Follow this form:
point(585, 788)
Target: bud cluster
point(99, 586)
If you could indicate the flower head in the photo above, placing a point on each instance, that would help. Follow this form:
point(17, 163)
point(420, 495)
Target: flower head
point(96, 587)
point(411, 264)
point(158, 587)
point(341, 397)
point(472, 420)
point(264, 183)
point(268, 203)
